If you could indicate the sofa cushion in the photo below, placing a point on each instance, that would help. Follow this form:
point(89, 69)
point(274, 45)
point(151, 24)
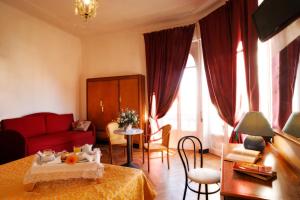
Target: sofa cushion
point(58, 123)
point(80, 138)
point(81, 125)
point(28, 126)
point(49, 141)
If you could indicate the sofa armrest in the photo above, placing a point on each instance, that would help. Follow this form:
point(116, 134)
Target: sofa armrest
point(12, 146)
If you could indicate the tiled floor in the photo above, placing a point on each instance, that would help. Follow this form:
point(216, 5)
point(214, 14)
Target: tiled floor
point(169, 184)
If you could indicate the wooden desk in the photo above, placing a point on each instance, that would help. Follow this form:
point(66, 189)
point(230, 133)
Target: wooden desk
point(235, 185)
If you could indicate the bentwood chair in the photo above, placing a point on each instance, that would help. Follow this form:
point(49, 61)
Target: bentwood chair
point(114, 139)
point(194, 174)
point(150, 146)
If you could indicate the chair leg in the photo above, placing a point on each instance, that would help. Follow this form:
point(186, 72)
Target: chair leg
point(148, 161)
point(185, 187)
point(110, 153)
point(168, 159)
point(199, 190)
point(206, 192)
point(162, 156)
point(143, 155)
point(131, 150)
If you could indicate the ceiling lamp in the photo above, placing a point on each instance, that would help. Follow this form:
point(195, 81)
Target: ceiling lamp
point(85, 8)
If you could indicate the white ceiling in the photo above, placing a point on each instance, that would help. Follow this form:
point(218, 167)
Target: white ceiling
point(114, 15)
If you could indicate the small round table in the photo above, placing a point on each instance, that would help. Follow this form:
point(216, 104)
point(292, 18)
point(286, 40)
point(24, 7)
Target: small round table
point(129, 133)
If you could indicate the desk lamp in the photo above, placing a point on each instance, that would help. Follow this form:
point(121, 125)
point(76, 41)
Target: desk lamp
point(292, 125)
point(255, 125)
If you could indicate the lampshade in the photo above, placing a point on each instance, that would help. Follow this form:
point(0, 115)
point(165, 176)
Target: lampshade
point(254, 123)
point(292, 125)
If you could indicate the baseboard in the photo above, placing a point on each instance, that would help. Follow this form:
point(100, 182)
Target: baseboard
point(104, 142)
point(204, 151)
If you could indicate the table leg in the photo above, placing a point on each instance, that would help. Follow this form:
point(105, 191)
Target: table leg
point(129, 159)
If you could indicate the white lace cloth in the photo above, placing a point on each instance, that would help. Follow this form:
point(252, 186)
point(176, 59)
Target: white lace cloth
point(51, 172)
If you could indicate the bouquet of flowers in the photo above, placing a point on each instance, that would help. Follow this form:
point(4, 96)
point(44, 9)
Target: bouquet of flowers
point(127, 118)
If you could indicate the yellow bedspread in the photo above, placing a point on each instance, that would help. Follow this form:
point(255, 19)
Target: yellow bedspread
point(117, 183)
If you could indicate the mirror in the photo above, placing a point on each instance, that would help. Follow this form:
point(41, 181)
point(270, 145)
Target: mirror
point(289, 64)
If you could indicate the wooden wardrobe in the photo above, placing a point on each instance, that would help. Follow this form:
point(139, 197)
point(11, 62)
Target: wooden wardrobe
point(107, 96)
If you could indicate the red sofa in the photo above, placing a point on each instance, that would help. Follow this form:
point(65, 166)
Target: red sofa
point(45, 131)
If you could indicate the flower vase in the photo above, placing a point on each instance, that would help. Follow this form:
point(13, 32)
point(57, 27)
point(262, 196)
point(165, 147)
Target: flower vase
point(128, 127)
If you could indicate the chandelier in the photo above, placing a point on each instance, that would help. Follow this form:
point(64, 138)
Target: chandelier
point(85, 8)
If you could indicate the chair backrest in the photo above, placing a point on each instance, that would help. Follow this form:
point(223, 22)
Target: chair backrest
point(183, 152)
point(165, 134)
point(110, 127)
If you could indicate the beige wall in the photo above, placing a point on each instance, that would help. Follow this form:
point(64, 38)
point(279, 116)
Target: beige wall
point(112, 54)
point(39, 66)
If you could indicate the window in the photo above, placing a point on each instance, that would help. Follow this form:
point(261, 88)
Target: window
point(216, 130)
point(242, 104)
point(188, 96)
point(185, 113)
point(265, 78)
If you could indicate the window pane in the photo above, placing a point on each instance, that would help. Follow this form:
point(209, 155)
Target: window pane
point(170, 117)
point(213, 122)
point(188, 97)
point(265, 78)
point(190, 62)
point(242, 105)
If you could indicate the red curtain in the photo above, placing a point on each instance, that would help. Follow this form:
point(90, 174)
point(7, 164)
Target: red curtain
point(249, 40)
point(230, 24)
point(243, 30)
point(284, 79)
point(220, 62)
point(166, 56)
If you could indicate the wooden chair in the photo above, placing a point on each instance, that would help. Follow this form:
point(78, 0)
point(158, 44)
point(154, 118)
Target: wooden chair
point(114, 139)
point(149, 146)
point(199, 175)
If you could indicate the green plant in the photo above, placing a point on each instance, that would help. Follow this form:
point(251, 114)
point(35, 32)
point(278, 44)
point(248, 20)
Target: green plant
point(127, 117)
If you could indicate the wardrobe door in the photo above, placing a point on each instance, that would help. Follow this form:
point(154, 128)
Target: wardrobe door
point(131, 97)
point(102, 103)
point(129, 94)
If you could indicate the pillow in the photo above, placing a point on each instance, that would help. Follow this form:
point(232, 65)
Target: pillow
point(81, 125)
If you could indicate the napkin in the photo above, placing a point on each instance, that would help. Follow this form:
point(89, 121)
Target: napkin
point(57, 160)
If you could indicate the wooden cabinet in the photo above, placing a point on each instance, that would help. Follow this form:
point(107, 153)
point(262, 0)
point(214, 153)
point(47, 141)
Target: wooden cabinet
point(107, 96)
point(102, 95)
